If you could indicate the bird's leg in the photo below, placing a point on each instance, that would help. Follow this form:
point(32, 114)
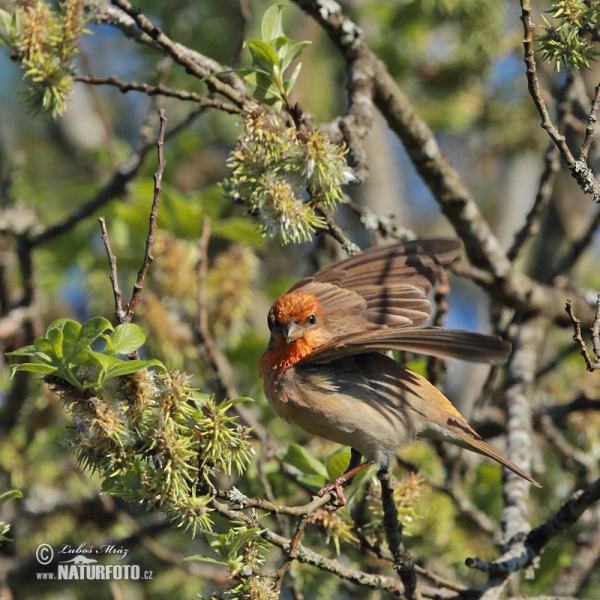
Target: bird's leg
point(337, 486)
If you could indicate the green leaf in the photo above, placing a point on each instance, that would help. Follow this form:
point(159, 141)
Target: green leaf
point(127, 338)
point(43, 344)
point(292, 52)
point(33, 368)
point(98, 360)
point(226, 404)
point(314, 482)
point(131, 366)
point(10, 495)
point(24, 351)
point(337, 462)
point(238, 229)
point(207, 559)
point(241, 538)
point(110, 348)
point(70, 331)
point(90, 331)
point(298, 457)
point(263, 55)
point(55, 337)
point(271, 26)
point(264, 89)
point(289, 83)
point(60, 323)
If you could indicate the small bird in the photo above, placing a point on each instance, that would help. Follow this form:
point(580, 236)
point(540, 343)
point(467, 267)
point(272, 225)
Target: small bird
point(325, 372)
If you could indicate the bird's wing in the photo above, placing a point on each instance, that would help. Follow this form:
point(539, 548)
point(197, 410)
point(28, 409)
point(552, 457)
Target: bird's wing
point(433, 341)
point(416, 262)
point(387, 286)
point(381, 393)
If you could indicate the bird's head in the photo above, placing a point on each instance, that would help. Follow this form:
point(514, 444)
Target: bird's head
point(299, 316)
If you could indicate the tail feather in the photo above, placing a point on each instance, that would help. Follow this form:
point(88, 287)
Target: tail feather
point(458, 432)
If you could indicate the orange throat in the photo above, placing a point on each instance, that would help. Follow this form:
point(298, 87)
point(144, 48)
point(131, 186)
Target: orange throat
point(281, 355)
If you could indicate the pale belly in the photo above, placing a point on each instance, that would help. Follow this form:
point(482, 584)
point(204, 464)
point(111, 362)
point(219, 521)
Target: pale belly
point(339, 417)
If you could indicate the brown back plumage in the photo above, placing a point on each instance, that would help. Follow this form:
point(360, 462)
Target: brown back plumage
point(385, 286)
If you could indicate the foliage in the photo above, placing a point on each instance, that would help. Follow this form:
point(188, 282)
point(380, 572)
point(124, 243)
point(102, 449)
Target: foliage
point(274, 167)
point(4, 527)
point(150, 437)
point(45, 42)
point(66, 352)
point(571, 42)
point(271, 57)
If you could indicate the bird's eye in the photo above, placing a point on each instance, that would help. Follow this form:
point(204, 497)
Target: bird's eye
point(271, 321)
point(312, 319)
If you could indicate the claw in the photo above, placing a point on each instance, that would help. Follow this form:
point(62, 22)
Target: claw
point(337, 487)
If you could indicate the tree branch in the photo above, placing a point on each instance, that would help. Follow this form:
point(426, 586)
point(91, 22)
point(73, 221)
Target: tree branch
point(579, 168)
point(159, 90)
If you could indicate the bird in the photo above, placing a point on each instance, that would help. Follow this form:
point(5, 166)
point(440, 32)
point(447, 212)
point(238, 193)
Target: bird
point(326, 370)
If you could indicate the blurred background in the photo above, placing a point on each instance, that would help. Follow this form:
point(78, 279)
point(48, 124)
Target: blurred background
point(461, 65)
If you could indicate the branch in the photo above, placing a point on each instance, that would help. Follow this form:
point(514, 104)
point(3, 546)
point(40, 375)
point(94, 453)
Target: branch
point(403, 561)
point(579, 168)
point(591, 365)
point(307, 556)
point(542, 198)
point(483, 249)
point(590, 127)
point(114, 276)
point(573, 578)
point(195, 64)
point(566, 262)
point(215, 360)
point(159, 90)
point(148, 258)
point(115, 187)
point(520, 380)
point(336, 232)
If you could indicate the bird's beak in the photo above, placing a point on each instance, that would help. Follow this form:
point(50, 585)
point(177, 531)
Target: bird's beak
point(291, 330)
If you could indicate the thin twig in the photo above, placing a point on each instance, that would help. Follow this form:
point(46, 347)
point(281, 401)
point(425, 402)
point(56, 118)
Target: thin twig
point(237, 499)
point(196, 68)
point(534, 542)
point(590, 364)
point(148, 258)
point(571, 458)
point(203, 335)
point(159, 90)
point(542, 198)
point(590, 127)
point(548, 177)
point(307, 556)
point(114, 277)
point(336, 232)
point(435, 365)
point(572, 254)
point(291, 553)
point(125, 173)
point(579, 168)
point(217, 363)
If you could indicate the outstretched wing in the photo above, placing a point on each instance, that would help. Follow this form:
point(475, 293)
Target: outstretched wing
point(432, 341)
point(384, 286)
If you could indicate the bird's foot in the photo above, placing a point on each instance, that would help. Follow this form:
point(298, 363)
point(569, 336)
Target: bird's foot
point(337, 488)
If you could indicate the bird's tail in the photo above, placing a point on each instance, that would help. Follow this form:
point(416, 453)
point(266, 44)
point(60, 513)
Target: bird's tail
point(446, 424)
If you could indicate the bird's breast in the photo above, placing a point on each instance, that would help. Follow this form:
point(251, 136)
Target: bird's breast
point(336, 402)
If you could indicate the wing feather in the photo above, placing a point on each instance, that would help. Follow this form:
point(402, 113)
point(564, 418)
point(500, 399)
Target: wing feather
point(387, 286)
point(432, 341)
